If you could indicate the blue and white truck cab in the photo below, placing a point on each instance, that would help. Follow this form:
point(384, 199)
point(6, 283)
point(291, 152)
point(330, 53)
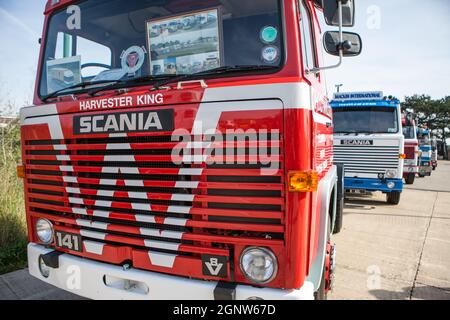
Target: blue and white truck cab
point(369, 141)
point(424, 137)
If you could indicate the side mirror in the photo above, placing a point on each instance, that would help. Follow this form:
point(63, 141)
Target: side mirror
point(351, 45)
point(331, 12)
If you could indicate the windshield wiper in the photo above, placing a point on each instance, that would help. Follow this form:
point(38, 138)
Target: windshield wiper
point(114, 84)
point(81, 85)
point(219, 70)
point(167, 78)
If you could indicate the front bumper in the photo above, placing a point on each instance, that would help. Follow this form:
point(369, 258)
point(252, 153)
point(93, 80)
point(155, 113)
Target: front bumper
point(100, 281)
point(372, 184)
point(425, 170)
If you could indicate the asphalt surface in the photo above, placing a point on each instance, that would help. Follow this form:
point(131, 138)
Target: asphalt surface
point(397, 252)
point(383, 252)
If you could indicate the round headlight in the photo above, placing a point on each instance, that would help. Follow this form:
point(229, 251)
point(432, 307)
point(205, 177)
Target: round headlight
point(44, 231)
point(43, 268)
point(259, 265)
point(391, 185)
point(391, 174)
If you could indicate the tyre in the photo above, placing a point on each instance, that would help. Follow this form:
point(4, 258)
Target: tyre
point(434, 168)
point(340, 200)
point(339, 216)
point(393, 197)
point(421, 175)
point(410, 178)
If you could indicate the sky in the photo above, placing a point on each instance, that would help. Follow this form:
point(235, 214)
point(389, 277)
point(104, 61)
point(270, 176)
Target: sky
point(406, 49)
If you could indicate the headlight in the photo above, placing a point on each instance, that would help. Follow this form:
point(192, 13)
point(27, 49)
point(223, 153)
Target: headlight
point(391, 185)
point(259, 265)
point(391, 174)
point(43, 268)
point(44, 231)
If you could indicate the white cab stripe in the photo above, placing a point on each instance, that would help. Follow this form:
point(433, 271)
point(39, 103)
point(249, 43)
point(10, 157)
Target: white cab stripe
point(93, 247)
point(162, 259)
point(70, 179)
point(187, 184)
point(161, 234)
point(190, 172)
point(183, 197)
point(179, 209)
point(162, 245)
point(93, 235)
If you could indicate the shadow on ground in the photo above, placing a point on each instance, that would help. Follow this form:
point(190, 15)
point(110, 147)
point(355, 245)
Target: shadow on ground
point(420, 292)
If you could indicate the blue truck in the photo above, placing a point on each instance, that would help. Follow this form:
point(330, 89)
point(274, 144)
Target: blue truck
point(369, 142)
point(425, 151)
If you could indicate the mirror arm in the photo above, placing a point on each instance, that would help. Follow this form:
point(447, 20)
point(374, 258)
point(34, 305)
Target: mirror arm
point(341, 40)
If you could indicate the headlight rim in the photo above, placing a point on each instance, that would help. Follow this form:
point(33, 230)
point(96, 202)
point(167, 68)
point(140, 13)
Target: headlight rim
point(51, 231)
point(267, 251)
point(391, 173)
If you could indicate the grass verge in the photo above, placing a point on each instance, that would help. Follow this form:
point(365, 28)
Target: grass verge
point(13, 229)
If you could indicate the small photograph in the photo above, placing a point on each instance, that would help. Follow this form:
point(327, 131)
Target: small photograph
point(170, 66)
point(192, 22)
point(63, 73)
point(197, 63)
point(157, 67)
point(191, 43)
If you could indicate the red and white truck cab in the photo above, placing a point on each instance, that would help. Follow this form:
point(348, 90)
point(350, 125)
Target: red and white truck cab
point(191, 157)
point(411, 162)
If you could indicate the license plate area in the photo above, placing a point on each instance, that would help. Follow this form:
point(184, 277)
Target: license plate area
point(70, 241)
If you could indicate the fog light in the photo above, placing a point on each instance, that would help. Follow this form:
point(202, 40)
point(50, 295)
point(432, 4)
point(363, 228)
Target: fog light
point(44, 231)
point(391, 185)
point(259, 265)
point(391, 174)
point(43, 268)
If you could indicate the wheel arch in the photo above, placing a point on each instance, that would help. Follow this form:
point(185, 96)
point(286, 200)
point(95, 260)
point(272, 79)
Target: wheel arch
point(327, 195)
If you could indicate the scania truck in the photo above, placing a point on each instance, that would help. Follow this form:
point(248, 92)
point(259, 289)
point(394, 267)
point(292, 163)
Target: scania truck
point(217, 184)
point(368, 140)
point(426, 168)
point(411, 164)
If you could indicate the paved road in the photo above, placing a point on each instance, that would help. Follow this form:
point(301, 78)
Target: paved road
point(384, 252)
point(397, 252)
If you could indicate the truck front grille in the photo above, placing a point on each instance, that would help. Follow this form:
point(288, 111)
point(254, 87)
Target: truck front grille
point(131, 203)
point(367, 160)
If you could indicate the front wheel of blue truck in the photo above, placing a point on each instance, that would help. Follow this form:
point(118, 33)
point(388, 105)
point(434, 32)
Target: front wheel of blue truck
point(393, 197)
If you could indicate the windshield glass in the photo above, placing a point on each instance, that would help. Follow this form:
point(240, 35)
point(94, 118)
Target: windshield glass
point(111, 40)
point(409, 132)
point(424, 138)
point(365, 120)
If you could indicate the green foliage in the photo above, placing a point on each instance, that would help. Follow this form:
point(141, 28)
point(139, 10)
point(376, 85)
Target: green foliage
point(433, 113)
point(13, 229)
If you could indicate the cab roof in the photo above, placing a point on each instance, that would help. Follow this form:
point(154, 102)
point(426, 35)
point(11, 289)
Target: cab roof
point(394, 103)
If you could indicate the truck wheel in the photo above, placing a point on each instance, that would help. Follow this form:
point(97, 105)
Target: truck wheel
point(421, 175)
point(339, 216)
point(393, 197)
point(410, 178)
point(340, 199)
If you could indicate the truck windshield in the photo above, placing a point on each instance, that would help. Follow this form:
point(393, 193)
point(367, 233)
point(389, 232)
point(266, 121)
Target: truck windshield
point(365, 120)
point(409, 132)
point(101, 41)
point(424, 139)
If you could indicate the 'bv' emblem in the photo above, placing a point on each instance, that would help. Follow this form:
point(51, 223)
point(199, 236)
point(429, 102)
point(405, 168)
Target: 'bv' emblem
point(214, 266)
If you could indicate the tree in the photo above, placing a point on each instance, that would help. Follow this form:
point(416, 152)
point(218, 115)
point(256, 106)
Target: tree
point(435, 114)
